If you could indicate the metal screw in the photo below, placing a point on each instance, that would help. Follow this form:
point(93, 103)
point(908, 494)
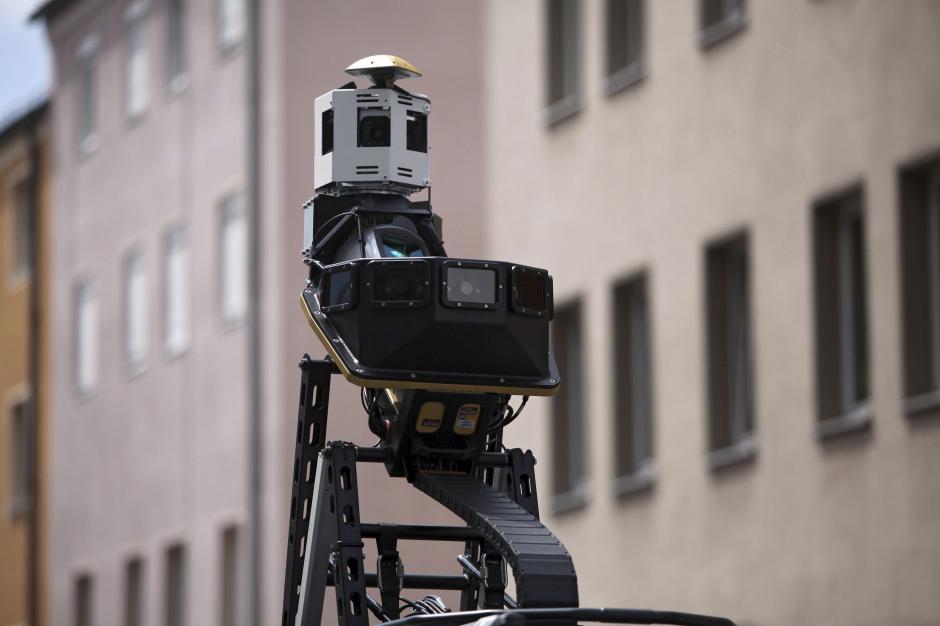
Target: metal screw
point(551, 380)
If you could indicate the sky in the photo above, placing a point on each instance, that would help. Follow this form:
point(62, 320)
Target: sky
point(24, 58)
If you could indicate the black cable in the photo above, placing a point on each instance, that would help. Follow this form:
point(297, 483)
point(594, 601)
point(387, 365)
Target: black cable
point(515, 413)
point(313, 240)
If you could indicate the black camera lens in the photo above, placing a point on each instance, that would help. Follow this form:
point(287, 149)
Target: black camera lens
point(471, 285)
point(375, 130)
point(416, 129)
point(399, 284)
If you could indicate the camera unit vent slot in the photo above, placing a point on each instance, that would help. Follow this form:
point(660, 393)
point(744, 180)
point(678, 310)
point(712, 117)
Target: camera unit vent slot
point(367, 169)
point(405, 100)
point(406, 172)
point(367, 98)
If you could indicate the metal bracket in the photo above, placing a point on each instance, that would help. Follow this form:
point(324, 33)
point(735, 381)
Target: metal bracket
point(311, 427)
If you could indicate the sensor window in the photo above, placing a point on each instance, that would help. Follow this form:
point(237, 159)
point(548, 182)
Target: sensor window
point(396, 248)
point(339, 290)
point(399, 283)
point(375, 129)
point(471, 285)
point(528, 291)
point(417, 132)
point(326, 130)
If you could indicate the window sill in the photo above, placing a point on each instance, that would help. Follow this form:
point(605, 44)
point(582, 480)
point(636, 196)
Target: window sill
point(88, 146)
point(739, 453)
point(18, 279)
point(640, 481)
point(570, 502)
point(136, 369)
point(722, 31)
point(227, 50)
point(178, 84)
point(135, 118)
point(175, 354)
point(855, 421)
point(923, 405)
point(562, 110)
point(623, 79)
point(18, 509)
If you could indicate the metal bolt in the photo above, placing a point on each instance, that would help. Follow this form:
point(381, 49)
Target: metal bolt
point(551, 380)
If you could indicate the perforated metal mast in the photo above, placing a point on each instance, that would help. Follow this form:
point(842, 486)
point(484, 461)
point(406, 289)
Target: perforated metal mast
point(439, 346)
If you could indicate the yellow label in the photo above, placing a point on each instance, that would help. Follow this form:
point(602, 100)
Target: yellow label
point(430, 417)
point(467, 417)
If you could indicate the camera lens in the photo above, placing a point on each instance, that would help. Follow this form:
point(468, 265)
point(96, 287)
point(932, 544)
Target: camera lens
point(471, 285)
point(374, 129)
point(399, 284)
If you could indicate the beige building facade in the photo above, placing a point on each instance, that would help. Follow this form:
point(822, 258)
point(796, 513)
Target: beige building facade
point(738, 203)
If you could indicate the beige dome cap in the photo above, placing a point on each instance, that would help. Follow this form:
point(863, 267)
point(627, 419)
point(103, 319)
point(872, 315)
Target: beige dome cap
point(383, 69)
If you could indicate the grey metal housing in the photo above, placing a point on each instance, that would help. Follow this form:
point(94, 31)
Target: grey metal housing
point(343, 165)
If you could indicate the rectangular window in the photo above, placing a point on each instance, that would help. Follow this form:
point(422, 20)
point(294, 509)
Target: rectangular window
point(841, 314)
point(228, 578)
point(86, 96)
point(86, 338)
point(920, 283)
point(633, 449)
point(231, 26)
point(720, 20)
point(624, 44)
point(562, 59)
point(233, 259)
point(20, 456)
point(136, 62)
point(176, 50)
point(730, 369)
point(175, 598)
point(134, 592)
point(136, 312)
point(84, 609)
point(21, 232)
point(568, 437)
point(177, 292)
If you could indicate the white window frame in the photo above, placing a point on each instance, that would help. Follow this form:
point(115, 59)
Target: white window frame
point(618, 79)
point(136, 60)
point(848, 213)
point(136, 321)
point(177, 317)
point(20, 271)
point(177, 57)
point(233, 305)
point(933, 225)
point(733, 21)
point(641, 474)
point(86, 348)
point(231, 25)
point(86, 89)
point(569, 103)
point(19, 453)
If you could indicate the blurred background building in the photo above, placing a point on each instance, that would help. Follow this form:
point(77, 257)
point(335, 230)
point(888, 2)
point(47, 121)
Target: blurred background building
point(154, 515)
point(740, 204)
point(24, 372)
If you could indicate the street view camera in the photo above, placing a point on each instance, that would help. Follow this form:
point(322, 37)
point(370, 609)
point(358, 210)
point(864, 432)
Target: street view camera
point(439, 346)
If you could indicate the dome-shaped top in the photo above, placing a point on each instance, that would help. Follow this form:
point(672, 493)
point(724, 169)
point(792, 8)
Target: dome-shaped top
point(383, 69)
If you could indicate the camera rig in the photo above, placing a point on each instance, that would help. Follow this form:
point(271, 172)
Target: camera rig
point(439, 346)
